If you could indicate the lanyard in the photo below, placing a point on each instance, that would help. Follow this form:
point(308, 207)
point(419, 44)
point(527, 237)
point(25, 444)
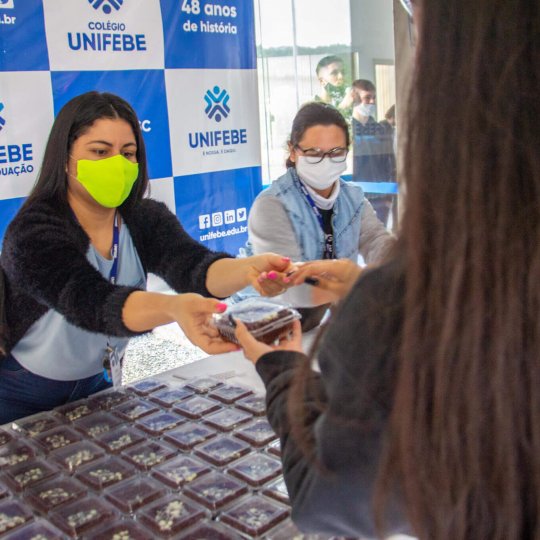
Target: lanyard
point(114, 251)
point(328, 238)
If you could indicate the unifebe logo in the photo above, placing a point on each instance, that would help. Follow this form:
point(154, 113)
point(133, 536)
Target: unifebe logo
point(2, 121)
point(217, 103)
point(7, 4)
point(105, 5)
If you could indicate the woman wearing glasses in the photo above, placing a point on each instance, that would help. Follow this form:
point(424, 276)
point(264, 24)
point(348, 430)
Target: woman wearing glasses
point(310, 213)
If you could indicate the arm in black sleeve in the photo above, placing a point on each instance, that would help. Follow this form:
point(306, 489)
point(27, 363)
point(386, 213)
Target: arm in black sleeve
point(167, 250)
point(44, 258)
point(334, 495)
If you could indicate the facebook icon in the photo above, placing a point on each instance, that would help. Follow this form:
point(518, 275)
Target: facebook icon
point(204, 221)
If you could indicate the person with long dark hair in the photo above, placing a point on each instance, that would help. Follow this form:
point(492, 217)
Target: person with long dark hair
point(426, 413)
point(76, 257)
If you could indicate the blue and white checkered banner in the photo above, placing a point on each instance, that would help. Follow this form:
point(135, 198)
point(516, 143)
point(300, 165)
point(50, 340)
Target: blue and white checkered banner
point(188, 67)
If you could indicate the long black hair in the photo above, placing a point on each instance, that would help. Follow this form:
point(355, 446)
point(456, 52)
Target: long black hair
point(75, 117)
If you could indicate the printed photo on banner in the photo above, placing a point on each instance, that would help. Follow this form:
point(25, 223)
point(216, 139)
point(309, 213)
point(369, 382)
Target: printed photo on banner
point(104, 34)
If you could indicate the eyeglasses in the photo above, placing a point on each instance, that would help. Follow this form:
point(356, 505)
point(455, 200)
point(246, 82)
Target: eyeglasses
point(316, 155)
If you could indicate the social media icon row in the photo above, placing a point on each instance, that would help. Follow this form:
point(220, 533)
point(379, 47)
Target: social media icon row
point(222, 218)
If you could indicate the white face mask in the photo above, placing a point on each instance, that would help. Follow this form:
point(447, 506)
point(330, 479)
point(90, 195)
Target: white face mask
point(366, 109)
point(319, 175)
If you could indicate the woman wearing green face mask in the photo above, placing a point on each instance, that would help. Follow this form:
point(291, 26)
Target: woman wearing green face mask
point(76, 258)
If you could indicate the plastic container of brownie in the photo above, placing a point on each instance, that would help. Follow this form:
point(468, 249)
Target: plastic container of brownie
point(196, 407)
point(274, 448)
point(188, 435)
point(229, 393)
point(109, 399)
point(258, 433)
point(169, 396)
point(210, 531)
point(203, 385)
point(36, 424)
point(105, 472)
point(254, 515)
point(227, 419)
point(256, 405)
point(77, 409)
point(123, 529)
point(222, 450)
point(132, 494)
point(76, 455)
point(146, 386)
point(135, 409)
point(120, 438)
point(47, 496)
point(82, 516)
point(265, 319)
point(13, 513)
point(170, 515)
point(157, 423)
point(277, 490)
point(5, 437)
point(97, 423)
point(15, 452)
point(215, 490)
point(27, 474)
point(39, 530)
point(179, 471)
point(256, 469)
point(149, 454)
point(57, 438)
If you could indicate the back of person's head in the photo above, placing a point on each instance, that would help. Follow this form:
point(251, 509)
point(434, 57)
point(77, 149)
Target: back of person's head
point(315, 114)
point(75, 117)
point(464, 443)
point(326, 61)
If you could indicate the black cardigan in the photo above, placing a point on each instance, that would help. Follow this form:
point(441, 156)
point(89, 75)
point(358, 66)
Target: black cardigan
point(347, 405)
point(45, 266)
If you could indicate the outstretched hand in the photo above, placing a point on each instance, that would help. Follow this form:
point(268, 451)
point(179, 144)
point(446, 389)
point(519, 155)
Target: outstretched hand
point(193, 313)
point(253, 349)
point(268, 273)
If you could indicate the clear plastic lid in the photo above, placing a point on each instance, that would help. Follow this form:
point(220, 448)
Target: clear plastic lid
point(222, 450)
point(256, 405)
point(168, 397)
point(109, 399)
point(149, 454)
point(131, 495)
point(266, 319)
point(120, 438)
point(277, 490)
point(48, 495)
point(97, 423)
point(256, 469)
point(38, 530)
point(135, 408)
point(229, 393)
point(146, 386)
point(170, 515)
point(57, 438)
point(210, 531)
point(15, 452)
point(196, 407)
point(255, 515)
point(105, 472)
point(76, 455)
point(82, 516)
point(258, 433)
point(180, 471)
point(27, 474)
point(189, 435)
point(202, 385)
point(77, 409)
point(227, 419)
point(13, 513)
point(36, 424)
point(215, 490)
point(123, 529)
point(274, 448)
point(157, 423)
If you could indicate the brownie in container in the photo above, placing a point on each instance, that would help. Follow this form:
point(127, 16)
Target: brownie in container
point(168, 397)
point(119, 439)
point(222, 450)
point(288, 531)
point(203, 385)
point(146, 387)
point(256, 469)
point(274, 448)
point(36, 424)
point(189, 435)
point(51, 494)
point(26, 474)
point(255, 515)
point(180, 471)
point(97, 423)
point(210, 531)
point(15, 452)
point(57, 438)
point(109, 399)
point(149, 454)
point(170, 515)
point(196, 407)
point(277, 490)
point(135, 409)
point(258, 433)
point(227, 419)
point(5, 437)
point(215, 490)
point(131, 495)
point(74, 411)
point(76, 455)
point(37, 530)
point(82, 516)
point(229, 394)
point(265, 319)
point(105, 472)
point(13, 513)
point(157, 423)
point(123, 529)
point(256, 405)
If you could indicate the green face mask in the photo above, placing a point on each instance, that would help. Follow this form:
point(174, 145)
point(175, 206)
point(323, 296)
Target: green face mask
point(108, 180)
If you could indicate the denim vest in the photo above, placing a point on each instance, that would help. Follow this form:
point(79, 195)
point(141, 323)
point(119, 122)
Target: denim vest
point(346, 217)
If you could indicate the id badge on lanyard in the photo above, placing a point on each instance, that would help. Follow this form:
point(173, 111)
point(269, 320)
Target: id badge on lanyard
point(112, 361)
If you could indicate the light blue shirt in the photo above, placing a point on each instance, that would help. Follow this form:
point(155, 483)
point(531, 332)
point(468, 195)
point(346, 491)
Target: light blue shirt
point(56, 349)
